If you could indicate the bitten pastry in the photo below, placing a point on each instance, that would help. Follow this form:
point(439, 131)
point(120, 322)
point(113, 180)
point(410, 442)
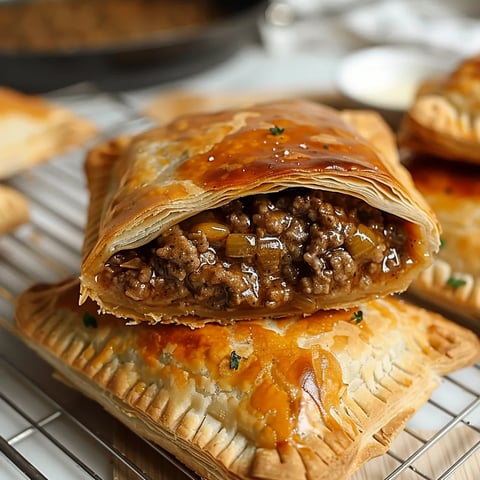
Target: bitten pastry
point(303, 398)
point(33, 130)
point(453, 191)
point(444, 119)
point(271, 210)
point(14, 209)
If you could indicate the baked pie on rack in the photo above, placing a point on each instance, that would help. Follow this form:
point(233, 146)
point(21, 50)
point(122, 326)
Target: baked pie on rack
point(292, 398)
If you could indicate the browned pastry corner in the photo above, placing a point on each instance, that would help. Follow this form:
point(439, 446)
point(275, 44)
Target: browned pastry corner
point(33, 130)
point(453, 191)
point(272, 210)
point(14, 209)
point(289, 399)
point(444, 119)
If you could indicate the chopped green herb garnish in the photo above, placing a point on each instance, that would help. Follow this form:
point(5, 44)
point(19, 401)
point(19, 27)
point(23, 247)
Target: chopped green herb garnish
point(234, 360)
point(275, 130)
point(326, 146)
point(456, 282)
point(89, 320)
point(357, 316)
point(443, 242)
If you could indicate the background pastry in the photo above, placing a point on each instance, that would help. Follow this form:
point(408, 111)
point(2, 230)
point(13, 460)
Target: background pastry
point(444, 119)
point(440, 144)
point(33, 130)
point(453, 191)
point(264, 211)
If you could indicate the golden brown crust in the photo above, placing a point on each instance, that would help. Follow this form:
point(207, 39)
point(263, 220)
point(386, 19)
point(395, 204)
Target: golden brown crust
point(373, 128)
point(14, 209)
point(309, 398)
point(34, 131)
point(444, 119)
point(453, 191)
point(167, 175)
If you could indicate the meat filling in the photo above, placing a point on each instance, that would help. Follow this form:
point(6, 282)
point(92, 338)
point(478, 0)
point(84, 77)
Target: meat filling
point(265, 251)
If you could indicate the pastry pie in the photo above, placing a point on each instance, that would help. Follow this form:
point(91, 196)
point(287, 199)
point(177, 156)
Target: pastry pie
point(287, 399)
point(33, 130)
point(440, 143)
point(453, 191)
point(267, 211)
point(14, 209)
point(444, 119)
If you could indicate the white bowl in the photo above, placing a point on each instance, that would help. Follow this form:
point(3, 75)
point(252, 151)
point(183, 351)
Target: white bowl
point(387, 77)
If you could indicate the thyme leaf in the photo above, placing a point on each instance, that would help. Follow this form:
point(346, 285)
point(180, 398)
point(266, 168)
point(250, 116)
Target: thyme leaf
point(456, 282)
point(276, 130)
point(357, 316)
point(234, 360)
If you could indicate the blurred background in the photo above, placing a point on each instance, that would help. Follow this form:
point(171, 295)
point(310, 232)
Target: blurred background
point(235, 44)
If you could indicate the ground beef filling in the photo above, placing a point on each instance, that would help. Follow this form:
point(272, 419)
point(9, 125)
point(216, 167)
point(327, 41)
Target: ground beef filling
point(264, 251)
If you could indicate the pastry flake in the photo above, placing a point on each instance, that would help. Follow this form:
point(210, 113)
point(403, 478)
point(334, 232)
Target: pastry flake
point(292, 398)
point(265, 211)
point(444, 119)
point(34, 130)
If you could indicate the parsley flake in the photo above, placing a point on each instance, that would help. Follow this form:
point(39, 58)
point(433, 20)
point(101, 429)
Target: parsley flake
point(89, 320)
point(456, 282)
point(275, 130)
point(443, 242)
point(234, 360)
point(326, 146)
point(357, 317)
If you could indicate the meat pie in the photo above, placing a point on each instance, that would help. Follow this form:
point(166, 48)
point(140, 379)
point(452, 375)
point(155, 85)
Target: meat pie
point(268, 211)
point(444, 118)
point(312, 398)
point(440, 142)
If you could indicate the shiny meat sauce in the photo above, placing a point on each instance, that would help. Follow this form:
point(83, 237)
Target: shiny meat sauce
point(264, 253)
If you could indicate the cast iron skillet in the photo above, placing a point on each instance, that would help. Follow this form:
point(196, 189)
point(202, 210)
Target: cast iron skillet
point(132, 65)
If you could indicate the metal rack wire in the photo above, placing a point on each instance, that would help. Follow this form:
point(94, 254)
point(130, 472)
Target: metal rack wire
point(50, 431)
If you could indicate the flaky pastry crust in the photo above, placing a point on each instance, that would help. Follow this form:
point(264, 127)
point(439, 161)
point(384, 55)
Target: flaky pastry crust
point(444, 119)
point(286, 399)
point(141, 187)
point(34, 130)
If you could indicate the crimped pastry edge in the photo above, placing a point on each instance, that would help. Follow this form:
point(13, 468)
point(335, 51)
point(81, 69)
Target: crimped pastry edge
point(433, 125)
point(432, 286)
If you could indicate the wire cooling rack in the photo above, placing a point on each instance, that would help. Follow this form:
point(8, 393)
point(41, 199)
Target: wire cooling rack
point(50, 431)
